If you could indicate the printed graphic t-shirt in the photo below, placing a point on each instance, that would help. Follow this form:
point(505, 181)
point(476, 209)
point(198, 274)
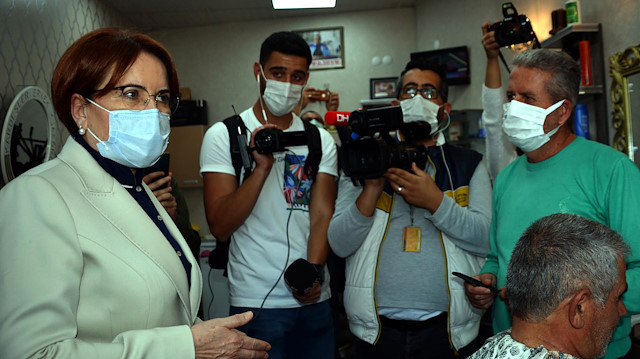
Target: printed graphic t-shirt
point(279, 222)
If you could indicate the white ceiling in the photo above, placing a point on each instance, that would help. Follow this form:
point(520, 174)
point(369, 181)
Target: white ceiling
point(150, 15)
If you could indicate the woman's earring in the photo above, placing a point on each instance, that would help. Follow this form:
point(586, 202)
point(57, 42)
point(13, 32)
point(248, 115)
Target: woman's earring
point(81, 130)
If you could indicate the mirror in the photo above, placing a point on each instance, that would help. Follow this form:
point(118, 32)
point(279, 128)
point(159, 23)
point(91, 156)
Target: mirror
point(27, 133)
point(624, 68)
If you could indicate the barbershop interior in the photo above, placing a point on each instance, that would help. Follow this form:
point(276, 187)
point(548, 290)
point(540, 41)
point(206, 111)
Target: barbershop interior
point(215, 44)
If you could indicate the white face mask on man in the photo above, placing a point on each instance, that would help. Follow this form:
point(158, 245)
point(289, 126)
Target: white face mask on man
point(279, 96)
point(419, 109)
point(524, 124)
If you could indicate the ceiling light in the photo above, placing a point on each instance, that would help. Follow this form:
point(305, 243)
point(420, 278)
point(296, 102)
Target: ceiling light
point(302, 4)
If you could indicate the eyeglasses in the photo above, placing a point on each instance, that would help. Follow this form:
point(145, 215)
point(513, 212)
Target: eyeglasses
point(137, 98)
point(429, 93)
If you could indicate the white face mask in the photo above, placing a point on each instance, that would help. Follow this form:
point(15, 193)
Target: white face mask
point(280, 97)
point(136, 138)
point(419, 109)
point(317, 123)
point(524, 124)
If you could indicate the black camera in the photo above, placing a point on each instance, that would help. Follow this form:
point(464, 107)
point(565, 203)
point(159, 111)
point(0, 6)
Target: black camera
point(382, 119)
point(514, 29)
point(270, 140)
point(365, 155)
point(370, 157)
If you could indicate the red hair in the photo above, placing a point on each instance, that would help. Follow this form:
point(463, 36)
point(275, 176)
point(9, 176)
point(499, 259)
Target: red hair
point(90, 59)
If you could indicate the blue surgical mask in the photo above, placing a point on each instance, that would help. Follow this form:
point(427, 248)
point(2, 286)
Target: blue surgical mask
point(136, 138)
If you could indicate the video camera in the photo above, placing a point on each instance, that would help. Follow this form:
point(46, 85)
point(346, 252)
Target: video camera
point(368, 150)
point(270, 140)
point(514, 29)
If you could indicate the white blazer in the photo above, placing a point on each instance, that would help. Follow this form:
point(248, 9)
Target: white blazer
point(84, 272)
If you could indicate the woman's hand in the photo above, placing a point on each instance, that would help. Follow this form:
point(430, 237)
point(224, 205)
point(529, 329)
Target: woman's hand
point(219, 339)
point(160, 185)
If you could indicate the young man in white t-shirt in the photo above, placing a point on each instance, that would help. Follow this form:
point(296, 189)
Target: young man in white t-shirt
point(277, 214)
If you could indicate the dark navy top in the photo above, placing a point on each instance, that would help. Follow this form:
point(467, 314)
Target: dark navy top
point(133, 185)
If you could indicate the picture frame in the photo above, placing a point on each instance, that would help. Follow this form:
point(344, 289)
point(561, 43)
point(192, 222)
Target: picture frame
point(383, 87)
point(330, 53)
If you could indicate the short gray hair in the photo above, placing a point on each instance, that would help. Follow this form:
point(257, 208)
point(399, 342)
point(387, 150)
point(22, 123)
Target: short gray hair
point(565, 80)
point(557, 256)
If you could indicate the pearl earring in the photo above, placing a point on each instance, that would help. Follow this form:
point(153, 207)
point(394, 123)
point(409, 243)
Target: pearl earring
point(81, 131)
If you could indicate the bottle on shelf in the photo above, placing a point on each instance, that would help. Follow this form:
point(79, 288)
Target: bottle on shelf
point(581, 121)
point(585, 63)
point(572, 8)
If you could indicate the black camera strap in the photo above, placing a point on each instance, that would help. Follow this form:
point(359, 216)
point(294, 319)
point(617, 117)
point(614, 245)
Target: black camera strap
point(240, 157)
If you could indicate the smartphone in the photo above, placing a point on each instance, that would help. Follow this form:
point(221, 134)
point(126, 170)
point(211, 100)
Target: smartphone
point(474, 282)
point(320, 95)
point(161, 165)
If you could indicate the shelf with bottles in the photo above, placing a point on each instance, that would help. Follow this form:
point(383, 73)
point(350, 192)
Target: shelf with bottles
point(465, 129)
point(568, 40)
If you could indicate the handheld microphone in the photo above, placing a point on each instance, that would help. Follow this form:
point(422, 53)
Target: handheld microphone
point(337, 118)
point(301, 275)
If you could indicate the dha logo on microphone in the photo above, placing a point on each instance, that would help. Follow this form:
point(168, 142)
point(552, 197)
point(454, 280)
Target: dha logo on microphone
point(340, 118)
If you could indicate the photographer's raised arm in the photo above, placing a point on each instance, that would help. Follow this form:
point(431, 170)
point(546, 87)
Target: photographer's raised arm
point(492, 50)
point(228, 205)
point(499, 151)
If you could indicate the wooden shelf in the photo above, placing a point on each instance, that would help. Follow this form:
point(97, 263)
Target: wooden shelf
point(559, 39)
point(593, 96)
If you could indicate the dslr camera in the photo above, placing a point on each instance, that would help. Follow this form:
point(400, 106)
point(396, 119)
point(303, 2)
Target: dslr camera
point(514, 29)
point(270, 140)
point(368, 150)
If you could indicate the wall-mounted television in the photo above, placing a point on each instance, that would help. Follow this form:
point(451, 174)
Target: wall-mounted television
point(455, 61)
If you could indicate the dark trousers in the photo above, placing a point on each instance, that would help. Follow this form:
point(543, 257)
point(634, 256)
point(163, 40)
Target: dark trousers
point(303, 332)
point(401, 339)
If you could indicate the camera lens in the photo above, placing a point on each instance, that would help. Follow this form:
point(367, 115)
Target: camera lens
point(265, 140)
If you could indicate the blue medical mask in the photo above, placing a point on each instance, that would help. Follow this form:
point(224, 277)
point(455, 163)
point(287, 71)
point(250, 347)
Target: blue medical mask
point(136, 138)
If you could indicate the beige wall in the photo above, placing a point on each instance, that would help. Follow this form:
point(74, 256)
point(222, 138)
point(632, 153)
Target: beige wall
point(34, 36)
point(216, 61)
point(224, 53)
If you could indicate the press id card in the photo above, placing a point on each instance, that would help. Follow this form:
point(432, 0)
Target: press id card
point(411, 239)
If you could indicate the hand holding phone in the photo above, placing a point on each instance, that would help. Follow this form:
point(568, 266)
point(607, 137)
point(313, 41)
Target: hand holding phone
point(161, 165)
point(474, 282)
point(319, 95)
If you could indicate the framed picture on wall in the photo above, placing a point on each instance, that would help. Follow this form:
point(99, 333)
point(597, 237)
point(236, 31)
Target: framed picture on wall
point(383, 87)
point(326, 46)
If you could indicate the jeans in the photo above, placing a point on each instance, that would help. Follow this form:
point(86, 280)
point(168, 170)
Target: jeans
point(303, 332)
point(430, 341)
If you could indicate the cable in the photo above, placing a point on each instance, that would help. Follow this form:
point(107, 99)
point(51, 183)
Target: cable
point(448, 172)
point(504, 61)
point(286, 262)
point(211, 291)
point(535, 44)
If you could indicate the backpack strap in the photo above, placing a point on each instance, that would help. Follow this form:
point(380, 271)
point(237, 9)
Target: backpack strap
point(238, 146)
point(240, 156)
point(315, 150)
